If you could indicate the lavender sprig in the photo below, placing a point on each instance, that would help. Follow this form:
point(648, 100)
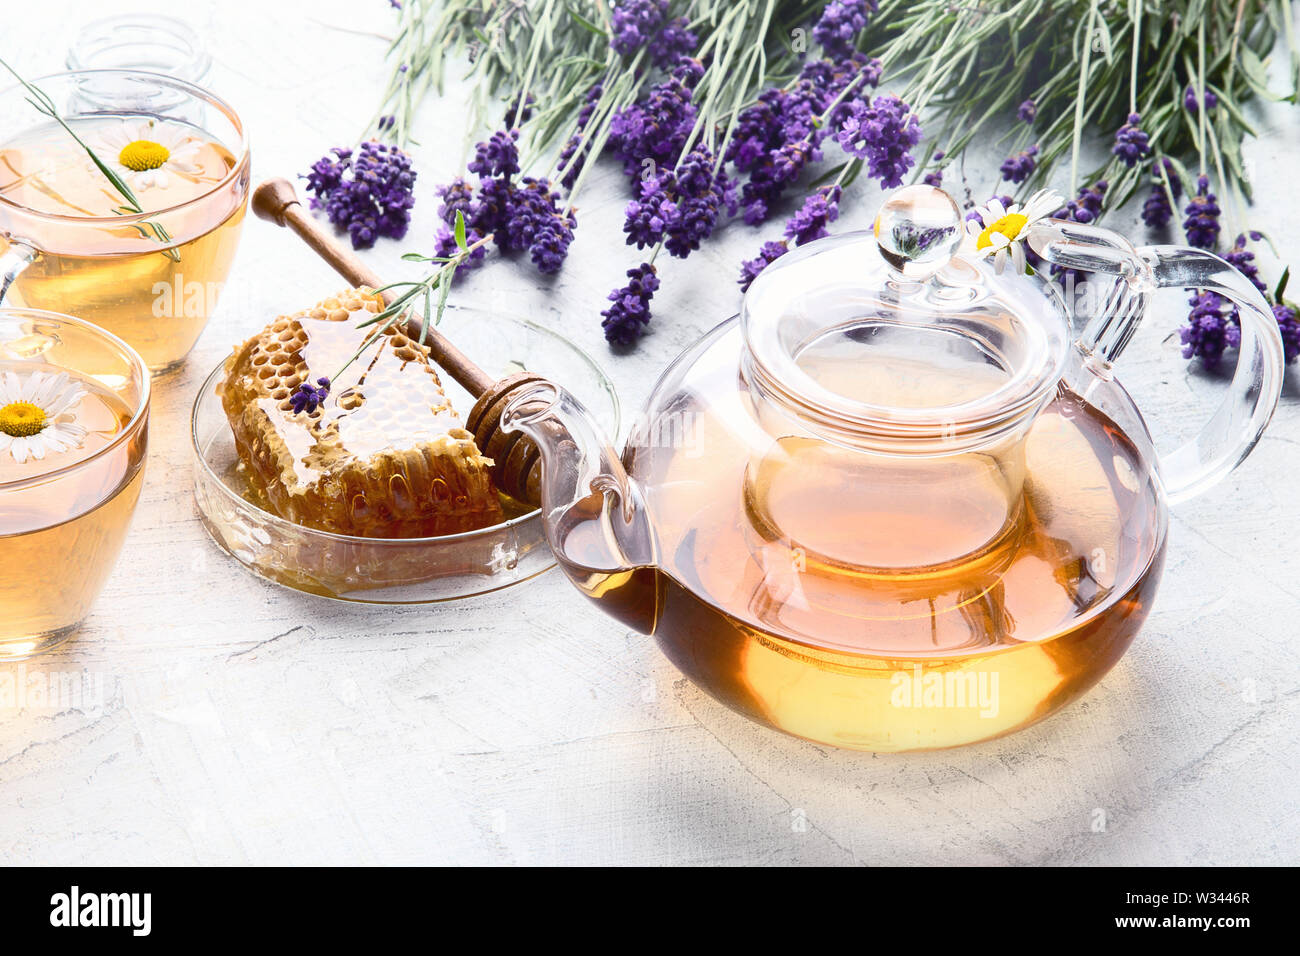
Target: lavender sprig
point(306, 398)
point(43, 104)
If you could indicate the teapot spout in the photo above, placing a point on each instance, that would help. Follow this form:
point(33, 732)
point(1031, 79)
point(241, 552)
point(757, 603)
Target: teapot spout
point(593, 512)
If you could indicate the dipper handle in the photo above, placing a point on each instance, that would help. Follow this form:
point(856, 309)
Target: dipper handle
point(276, 201)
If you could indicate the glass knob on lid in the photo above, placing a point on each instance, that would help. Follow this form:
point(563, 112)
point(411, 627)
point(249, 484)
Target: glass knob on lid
point(918, 229)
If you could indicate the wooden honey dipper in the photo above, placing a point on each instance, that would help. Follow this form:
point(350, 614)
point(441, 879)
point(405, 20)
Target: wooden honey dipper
point(517, 466)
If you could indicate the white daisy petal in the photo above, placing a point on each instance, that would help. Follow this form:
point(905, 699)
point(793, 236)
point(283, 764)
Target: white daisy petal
point(1018, 257)
point(28, 389)
point(56, 396)
point(66, 401)
point(50, 389)
point(10, 388)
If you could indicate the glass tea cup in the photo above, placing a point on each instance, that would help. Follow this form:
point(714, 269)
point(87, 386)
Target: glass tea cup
point(66, 245)
point(74, 413)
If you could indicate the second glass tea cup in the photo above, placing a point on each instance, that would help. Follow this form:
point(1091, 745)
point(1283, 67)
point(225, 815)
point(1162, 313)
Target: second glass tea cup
point(74, 431)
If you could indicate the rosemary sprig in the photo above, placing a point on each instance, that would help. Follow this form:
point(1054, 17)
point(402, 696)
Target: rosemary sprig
point(42, 102)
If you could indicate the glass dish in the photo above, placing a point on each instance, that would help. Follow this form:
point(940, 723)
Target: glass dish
point(394, 570)
point(64, 513)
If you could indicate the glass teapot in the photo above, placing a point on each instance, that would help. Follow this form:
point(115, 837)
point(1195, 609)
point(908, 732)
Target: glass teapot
point(899, 502)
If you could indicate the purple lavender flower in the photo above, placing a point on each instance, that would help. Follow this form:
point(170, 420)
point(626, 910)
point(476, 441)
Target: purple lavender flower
point(1158, 208)
point(570, 162)
point(327, 175)
point(1202, 223)
point(626, 319)
point(672, 43)
point(1191, 104)
point(1290, 329)
point(457, 197)
point(1175, 184)
point(750, 268)
point(1018, 168)
point(680, 208)
point(701, 196)
point(519, 113)
point(445, 247)
point(1028, 111)
point(776, 137)
point(1208, 330)
point(538, 223)
point(307, 399)
point(498, 157)
point(1086, 207)
point(634, 22)
point(935, 176)
point(818, 210)
point(883, 134)
point(647, 216)
point(1244, 261)
point(841, 22)
point(1131, 142)
point(491, 211)
point(656, 129)
point(369, 194)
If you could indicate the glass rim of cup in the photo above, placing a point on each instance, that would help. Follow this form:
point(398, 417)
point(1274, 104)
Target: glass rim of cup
point(241, 162)
point(142, 405)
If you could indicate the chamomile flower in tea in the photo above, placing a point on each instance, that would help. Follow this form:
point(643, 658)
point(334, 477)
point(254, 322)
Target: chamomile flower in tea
point(36, 415)
point(146, 153)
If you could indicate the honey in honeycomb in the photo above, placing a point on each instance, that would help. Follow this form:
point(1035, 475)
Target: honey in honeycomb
point(384, 456)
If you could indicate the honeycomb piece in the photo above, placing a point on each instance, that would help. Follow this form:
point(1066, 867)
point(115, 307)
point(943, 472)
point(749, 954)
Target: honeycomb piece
point(384, 456)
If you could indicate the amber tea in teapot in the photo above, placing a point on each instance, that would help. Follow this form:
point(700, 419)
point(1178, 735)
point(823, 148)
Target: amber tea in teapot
point(949, 652)
point(898, 503)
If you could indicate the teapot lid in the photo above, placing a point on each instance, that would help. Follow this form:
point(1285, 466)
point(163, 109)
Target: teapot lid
point(900, 337)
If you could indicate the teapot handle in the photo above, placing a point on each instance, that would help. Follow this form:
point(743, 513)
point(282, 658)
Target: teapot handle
point(1238, 422)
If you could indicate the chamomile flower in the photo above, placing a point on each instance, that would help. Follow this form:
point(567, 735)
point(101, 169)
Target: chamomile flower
point(145, 152)
point(999, 230)
point(35, 415)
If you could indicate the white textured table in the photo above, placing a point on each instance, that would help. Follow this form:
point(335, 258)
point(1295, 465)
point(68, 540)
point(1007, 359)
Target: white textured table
point(244, 723)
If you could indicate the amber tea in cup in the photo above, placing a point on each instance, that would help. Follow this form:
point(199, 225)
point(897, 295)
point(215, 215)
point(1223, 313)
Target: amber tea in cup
point(74, 410)
point(152, 278)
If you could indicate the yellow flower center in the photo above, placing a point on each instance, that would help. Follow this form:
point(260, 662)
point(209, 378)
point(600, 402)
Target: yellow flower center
point(21, 419)
point(143, 154)
point(1009, 225)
